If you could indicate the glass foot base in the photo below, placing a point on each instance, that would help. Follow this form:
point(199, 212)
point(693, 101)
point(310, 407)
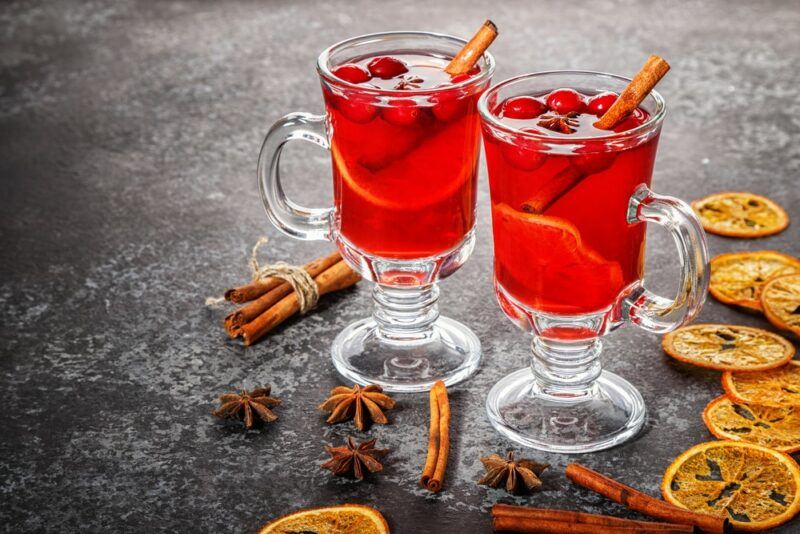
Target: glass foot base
point(449, 352)
point(611, 413)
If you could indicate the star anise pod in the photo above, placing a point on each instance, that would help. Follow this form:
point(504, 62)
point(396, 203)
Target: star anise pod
point(245, 404)
point(355, 459)
point(518, 475)
point(560, 123)
point(409, 82)
point(357, 403)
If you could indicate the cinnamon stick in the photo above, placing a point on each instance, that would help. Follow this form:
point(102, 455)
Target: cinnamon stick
point(643, 503)
point(251, 291)
point(338, 276)
point(525, 525)
point(539, 515)
point(639, 87)
point(473, 50)
point(438, 440)
point(236, 319)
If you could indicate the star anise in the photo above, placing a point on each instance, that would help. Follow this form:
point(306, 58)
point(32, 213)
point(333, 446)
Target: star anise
point(245, 404)
point(560, 123)
point(518, 475)
point(409, 82)
point(355, 459)
point(352, 403)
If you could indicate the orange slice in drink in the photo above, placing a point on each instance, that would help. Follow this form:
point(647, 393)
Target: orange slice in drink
point(739, 277)
point(545, 256)
point(738, 214)
point(755, 487)
point(780, 300)
point(342, 519)
point(728, 348)
point(773, 427)
point(776, 387)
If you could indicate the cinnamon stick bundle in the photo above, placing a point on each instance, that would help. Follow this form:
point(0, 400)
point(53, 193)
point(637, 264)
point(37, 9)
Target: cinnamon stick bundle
point(337, 277)
point(473, 50)
point(521, 519)
point(438, 439)
point(643, 503)
point(236, 319)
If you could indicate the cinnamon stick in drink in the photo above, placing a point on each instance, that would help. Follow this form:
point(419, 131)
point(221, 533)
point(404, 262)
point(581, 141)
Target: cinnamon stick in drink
point(643, 503)
point(526, 519)
point(438, 440)
point(339, 276)
point(637, 90)
point(236, 319)
point(473, 50)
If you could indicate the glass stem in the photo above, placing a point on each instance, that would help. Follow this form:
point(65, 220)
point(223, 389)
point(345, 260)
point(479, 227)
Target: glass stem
point(405, 314)
point(566, 370)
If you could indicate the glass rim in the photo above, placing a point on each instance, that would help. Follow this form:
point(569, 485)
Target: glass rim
point(324, 71)
point(483, 108)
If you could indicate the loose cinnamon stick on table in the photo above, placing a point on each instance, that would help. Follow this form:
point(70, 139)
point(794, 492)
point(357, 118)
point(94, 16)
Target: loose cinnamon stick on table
point(337, 277)
point(643, 503)
point(526, 519)
point(438, 440)
point(640, 86)
point(473, 50)
point(236, 319)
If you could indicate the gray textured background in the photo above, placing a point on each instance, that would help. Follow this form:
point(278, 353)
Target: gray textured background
point(128, 139)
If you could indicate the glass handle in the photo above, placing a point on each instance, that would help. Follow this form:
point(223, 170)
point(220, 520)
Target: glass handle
point(653, 312)
point(289, 217)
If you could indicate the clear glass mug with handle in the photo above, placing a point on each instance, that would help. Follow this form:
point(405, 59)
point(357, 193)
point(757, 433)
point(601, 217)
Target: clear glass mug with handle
point(404, 162)
point(568, 216)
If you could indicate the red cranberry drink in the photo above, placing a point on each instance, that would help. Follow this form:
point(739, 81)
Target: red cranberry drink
point(562, 242)
point(404, 164)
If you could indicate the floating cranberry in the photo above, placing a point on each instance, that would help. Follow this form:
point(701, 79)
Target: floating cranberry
point(386, 67)
point(522, 156)
point(599, 104)
point(523, 107)
point(634, 120)
point(458, 78)
point(357, 109)
point(594, 163)
point(448, 106)
point(352, 73)
point(402, 112)
point(566, 101)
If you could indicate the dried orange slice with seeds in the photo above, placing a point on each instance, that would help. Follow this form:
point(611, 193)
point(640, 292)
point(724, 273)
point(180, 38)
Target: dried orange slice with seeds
point(727, 347)
point(342, 519)
point(739, 277)
point(780, 300)
point(738, 214)
point(776, 387)
point(755, 487)
point(774, 427)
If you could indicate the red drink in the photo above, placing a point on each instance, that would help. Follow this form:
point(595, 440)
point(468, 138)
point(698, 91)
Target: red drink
point(562, 242)
point(405, 143)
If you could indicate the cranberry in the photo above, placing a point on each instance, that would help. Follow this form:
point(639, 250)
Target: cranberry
point(448, 106)
point(635, 119)
point(402, 112)
point(458, 78)
point(523, 107)
point(566, 101)
point(386, 67)
point(357, 109)
point(350, 72)
point(522, 156)
point(592, 163)
point(599, 104)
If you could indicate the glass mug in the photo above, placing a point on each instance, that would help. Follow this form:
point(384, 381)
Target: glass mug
point(567, 220)
point(404, 188)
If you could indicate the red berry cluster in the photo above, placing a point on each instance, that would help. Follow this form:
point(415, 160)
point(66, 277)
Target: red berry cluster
point(561, 101)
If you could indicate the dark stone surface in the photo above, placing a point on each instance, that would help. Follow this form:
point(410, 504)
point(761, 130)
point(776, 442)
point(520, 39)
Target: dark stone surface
point(129, 134)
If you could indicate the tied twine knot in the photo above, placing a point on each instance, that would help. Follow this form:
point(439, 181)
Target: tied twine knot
point(302, 283)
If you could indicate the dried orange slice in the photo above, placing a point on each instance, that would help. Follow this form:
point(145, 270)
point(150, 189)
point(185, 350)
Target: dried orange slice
point(342, 519)
point(740, 215)
point(727, 347)
point(776, 387)
point(780, 300)
point(739, 277)
point(755, 487)
point(774, 427)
